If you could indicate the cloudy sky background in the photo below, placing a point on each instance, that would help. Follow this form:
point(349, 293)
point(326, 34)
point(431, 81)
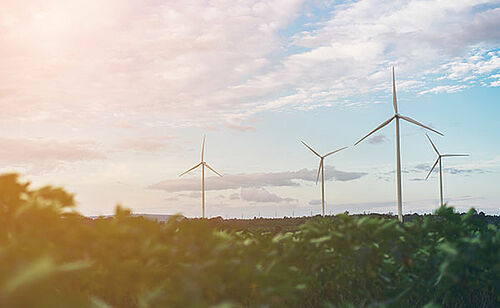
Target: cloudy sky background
point(111, 100)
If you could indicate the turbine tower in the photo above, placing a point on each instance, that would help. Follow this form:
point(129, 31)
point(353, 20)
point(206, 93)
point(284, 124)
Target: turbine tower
point(438, 160)
point(321, 170)
point(203, 164)
point(397, 117)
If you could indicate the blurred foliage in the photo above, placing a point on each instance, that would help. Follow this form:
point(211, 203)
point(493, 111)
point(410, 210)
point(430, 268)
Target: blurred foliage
point(50, 256)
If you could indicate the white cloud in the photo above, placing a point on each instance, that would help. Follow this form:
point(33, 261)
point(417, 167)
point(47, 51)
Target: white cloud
point(472, 66)
point(255, 180)
point(145, 144)
point(254, 194)
point(463, 169)
point(87, 59)
point(41, 155)
point(315, 202)
point(377, 139)
point(441, 89)
point(217, 63)
point(193, 195)
point(495, 83)
point(234, 196)
point(349, 54)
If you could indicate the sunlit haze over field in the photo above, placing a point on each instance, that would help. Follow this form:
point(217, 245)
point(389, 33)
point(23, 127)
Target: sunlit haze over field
point(111, 99)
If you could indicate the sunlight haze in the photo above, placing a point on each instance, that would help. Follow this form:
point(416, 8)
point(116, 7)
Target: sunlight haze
point(111, 99)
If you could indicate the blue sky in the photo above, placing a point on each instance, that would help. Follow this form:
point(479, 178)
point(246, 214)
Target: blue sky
point(111, 101)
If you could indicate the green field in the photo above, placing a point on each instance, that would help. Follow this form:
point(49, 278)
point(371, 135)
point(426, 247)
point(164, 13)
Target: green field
point(50, 256)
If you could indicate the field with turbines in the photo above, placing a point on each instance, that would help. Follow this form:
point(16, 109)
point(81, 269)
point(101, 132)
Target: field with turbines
point(321, 169)
point(61, 258)
point(250, 154)
point(50, 256)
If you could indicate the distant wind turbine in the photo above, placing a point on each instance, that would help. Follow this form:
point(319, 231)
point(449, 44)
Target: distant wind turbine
point(203, 164)
point(321, 170)
point(438, 160)
point(397, 116)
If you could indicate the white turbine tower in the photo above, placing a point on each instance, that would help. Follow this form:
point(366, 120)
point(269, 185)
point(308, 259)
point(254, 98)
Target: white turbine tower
point(397, 117)
point(438, 160)
point(203, 164)
point(321, 170)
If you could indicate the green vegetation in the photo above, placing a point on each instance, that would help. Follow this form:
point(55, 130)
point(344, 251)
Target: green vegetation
point(50, 256)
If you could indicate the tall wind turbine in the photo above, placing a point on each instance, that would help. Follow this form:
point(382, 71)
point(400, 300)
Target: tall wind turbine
point(321, 170)
point(397, 117)
point(203, 164)
point(438, 160)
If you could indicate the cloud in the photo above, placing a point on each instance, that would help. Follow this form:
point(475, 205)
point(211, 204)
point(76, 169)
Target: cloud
point(495, 83)
point(174, 198)
point(441, 89)
point(424, 167)
point(167, 63)
point(261, 195)
point(420, 167)
point(477, 62)
point(377, 139)
point(194, 195)
point(349, 53)
point(417, 179)
point(145, 144)
point(42, 155)
point(255, 180)
point(234, 196)
point(464, 171)
point(240, 127)
point(219, 62)
point(315, 202)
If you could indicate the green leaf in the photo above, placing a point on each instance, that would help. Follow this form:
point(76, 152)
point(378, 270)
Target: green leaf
point(448, 248)
point(96, 302)
point(33, 272)
point(321, 239)
point(301, 286)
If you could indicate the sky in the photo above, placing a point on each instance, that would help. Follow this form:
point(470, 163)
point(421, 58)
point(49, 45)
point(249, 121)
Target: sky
point(111, 99)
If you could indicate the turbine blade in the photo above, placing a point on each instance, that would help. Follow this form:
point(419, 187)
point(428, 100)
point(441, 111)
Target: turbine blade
point(310, 148)
point(335, 152)
point(376, 129)
point(419, 124)
point(213, 170)
point(190, 170)
point(450, 155)
point(432, 143)
point(319, 170)
point(203, 148)
point(434, 166)
point(394, 99)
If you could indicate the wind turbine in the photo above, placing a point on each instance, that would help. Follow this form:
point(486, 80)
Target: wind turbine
point(397, 117)
point(321, 170)
point(438, 160)
point(203, 164)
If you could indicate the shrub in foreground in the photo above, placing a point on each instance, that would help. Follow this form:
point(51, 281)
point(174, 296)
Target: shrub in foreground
point(52, 256)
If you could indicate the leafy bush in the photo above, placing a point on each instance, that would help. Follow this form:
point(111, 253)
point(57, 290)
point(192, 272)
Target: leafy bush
point(52, 256)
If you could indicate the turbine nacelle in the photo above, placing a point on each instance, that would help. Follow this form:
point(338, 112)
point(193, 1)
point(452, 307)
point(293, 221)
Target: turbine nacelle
point(202, 162)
